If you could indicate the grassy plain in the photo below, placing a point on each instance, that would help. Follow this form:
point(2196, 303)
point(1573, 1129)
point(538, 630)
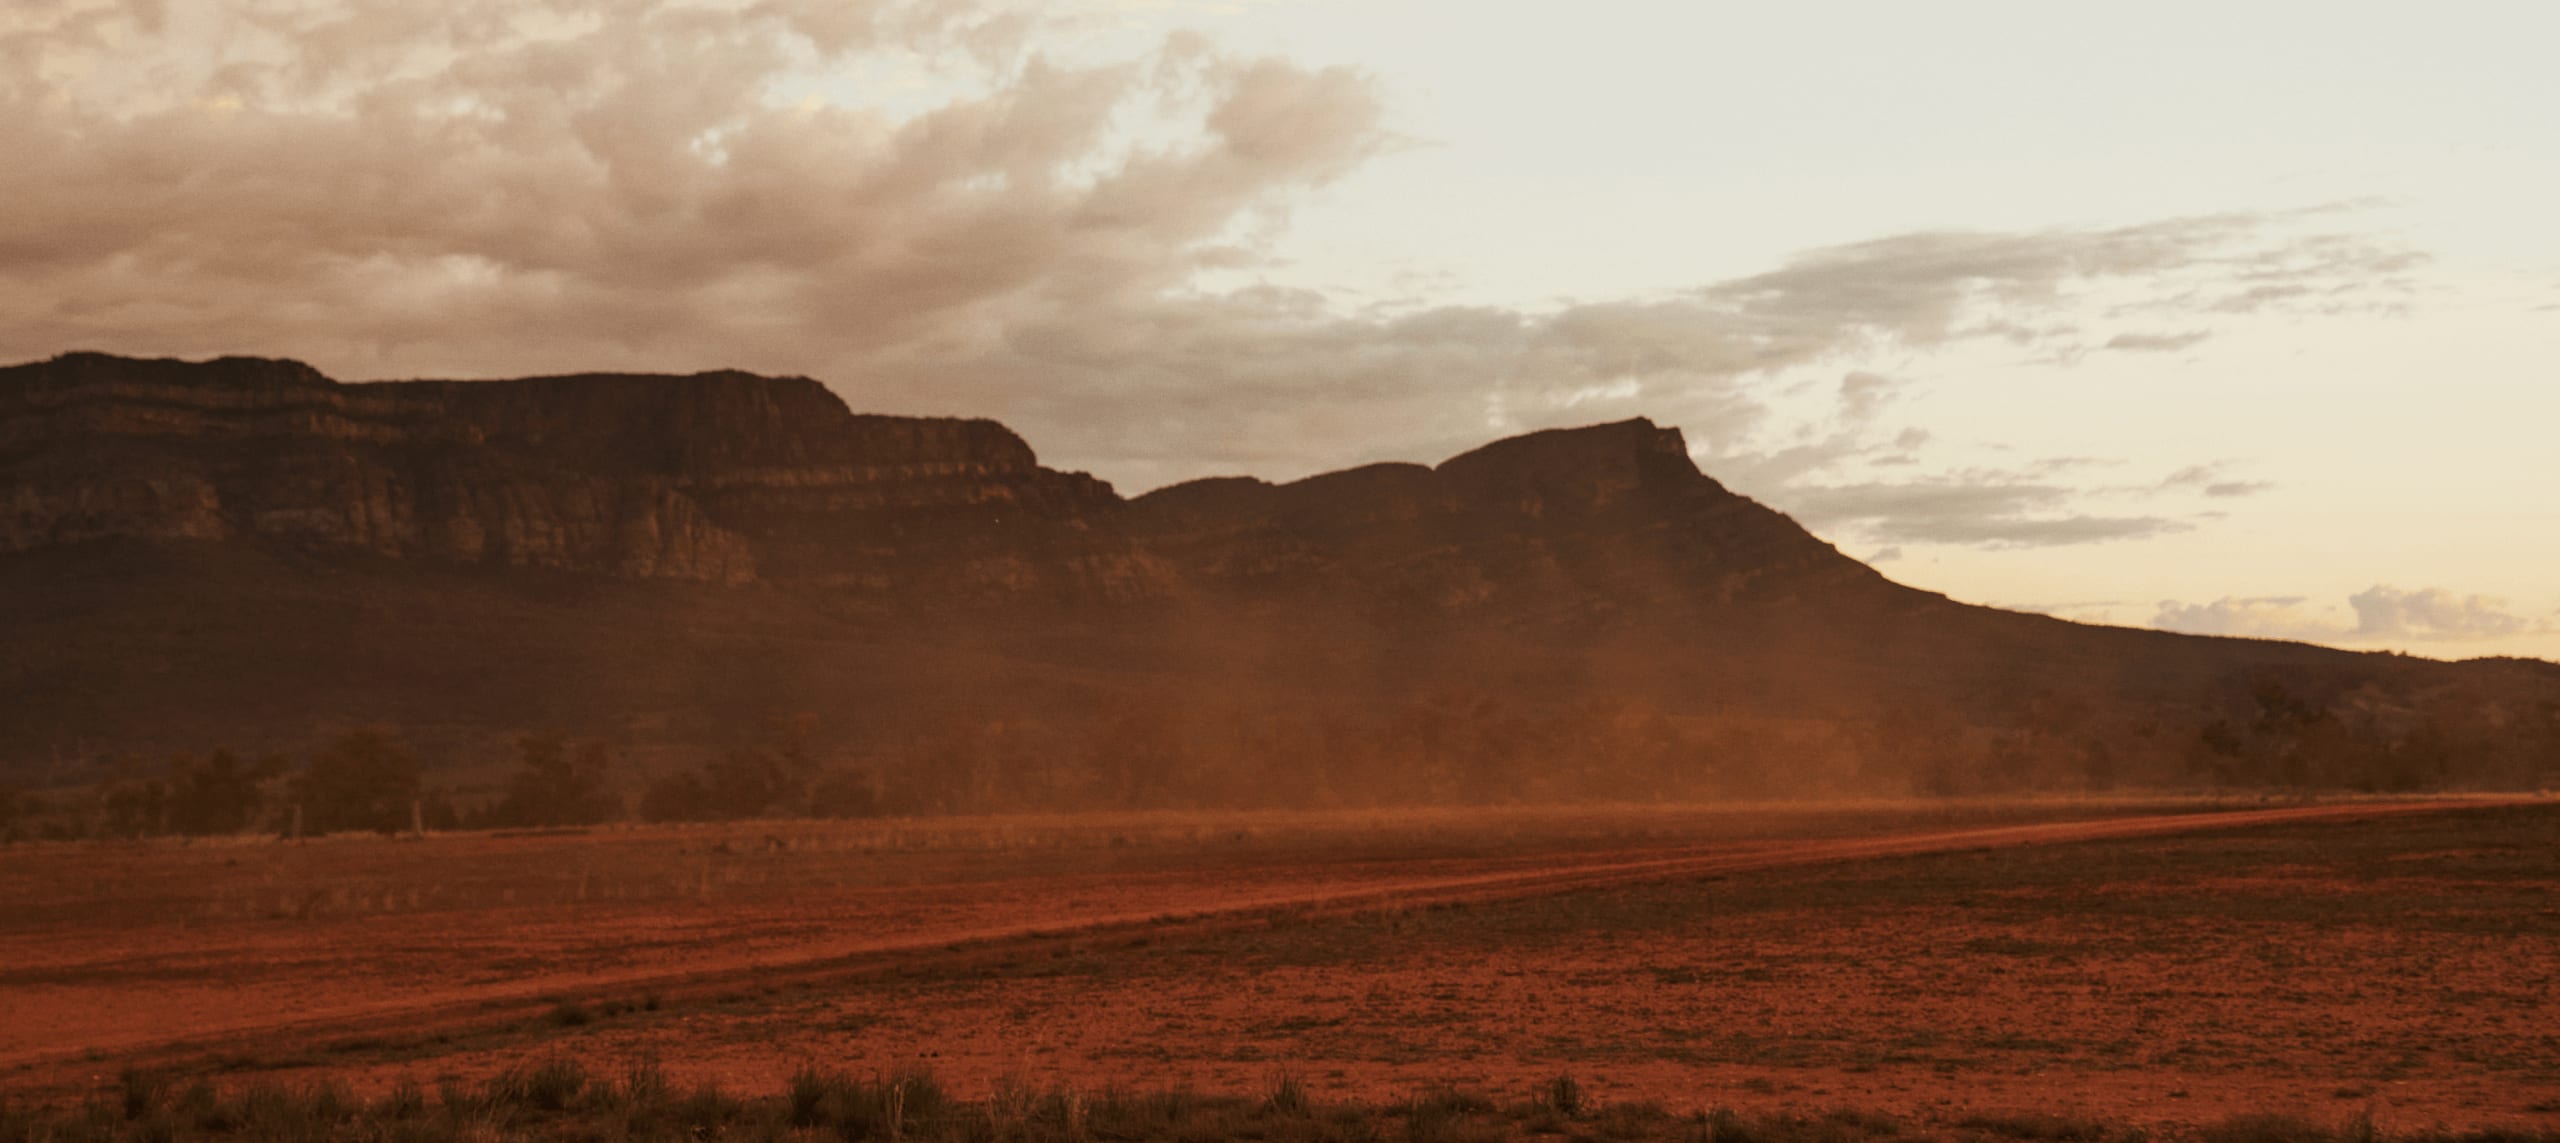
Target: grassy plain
point(2402, 968)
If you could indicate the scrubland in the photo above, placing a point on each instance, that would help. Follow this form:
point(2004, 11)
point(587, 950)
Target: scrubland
point(1771, 973)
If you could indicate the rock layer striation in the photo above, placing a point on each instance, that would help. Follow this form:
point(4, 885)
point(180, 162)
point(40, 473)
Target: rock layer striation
point(731, 478)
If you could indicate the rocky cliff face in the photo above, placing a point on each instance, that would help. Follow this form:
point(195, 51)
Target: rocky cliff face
point(730, 478)
point(724, 478)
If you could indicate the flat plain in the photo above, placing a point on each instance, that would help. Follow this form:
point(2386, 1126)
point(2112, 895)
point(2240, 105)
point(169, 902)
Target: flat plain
point(2147, 962)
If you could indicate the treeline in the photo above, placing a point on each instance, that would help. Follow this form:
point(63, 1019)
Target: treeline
point(1450, 749)
point(2364, 739)
point(1453, 748)
point(1468, 747)
point(2262, 733)
point(362, 781)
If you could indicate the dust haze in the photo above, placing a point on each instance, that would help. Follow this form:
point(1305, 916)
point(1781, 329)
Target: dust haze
point(815, 569)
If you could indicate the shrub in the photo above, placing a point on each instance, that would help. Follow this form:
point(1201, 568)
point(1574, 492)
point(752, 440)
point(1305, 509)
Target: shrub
point(141, 1092)
point(552, 1085)
point(1287, 1095)
point(2042, 1128)
point(405, 1101)
point(1565, 1095)
point(2267, 1128)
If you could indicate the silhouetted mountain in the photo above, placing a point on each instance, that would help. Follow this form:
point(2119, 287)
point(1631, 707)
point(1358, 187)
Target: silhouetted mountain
point(245, 552)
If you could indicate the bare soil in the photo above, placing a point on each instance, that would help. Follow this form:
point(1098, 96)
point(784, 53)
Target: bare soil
point(2125, 961)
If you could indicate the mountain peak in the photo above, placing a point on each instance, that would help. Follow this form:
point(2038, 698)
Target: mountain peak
point(1592, 466)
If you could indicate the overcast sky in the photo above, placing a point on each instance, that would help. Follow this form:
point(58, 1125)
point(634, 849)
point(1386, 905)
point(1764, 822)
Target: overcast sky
point(2228, 318)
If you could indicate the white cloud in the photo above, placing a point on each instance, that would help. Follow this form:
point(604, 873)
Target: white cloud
point(2384, 612)
point(2261, 617)
point(2380, 614)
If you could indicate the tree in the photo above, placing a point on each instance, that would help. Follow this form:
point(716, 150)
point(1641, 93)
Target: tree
point(845, 794)
point(362, 781)
point(12, 805)
point(133, 805)
point(220, 794)
point(777, 776)
point(746, 783)
point(677, 797)
point(555, 786)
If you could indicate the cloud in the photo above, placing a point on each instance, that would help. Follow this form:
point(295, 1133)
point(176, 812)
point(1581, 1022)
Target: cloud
point(2226, 489)
point(2384, 612)
point(2157, 342)
point(2381, 613)
point(485, 188)
point(2078, 611)
point(2209, 479)
point(1863, 394)
point(1977, 507)
point(950, 206)
point(2261, 617)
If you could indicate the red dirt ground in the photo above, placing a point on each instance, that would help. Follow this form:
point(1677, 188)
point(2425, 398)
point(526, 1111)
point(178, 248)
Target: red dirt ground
point(1140, 951)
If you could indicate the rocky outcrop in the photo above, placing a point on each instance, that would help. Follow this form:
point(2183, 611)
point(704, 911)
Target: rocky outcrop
point(722, 477)
point(1611, 517)
point(732, 478)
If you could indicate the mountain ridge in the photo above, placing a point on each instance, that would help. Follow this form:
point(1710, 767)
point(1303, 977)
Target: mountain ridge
point(722, 477)
point(243, 551)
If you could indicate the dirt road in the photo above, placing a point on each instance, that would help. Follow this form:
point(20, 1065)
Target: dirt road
point(73, 1005)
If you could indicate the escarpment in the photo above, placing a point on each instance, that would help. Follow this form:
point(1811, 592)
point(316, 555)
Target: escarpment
point(735, 479)
point(724, 478)
point(245, 552)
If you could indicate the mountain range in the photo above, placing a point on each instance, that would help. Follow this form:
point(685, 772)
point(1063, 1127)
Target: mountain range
point(244, 552)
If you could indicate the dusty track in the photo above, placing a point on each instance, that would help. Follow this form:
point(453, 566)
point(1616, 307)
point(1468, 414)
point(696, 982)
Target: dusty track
point(426, 1013)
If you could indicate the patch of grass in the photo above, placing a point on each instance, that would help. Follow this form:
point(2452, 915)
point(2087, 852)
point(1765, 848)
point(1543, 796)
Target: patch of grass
point(2049, 1129)
point(1286, 1094)
point(889, 1108)
point(405, 1101)
point(1564, 1096)
point(560, 1099)
point(141, 1091)
point(1841, 1126)
point(2267, 1127)
point(552, 1085)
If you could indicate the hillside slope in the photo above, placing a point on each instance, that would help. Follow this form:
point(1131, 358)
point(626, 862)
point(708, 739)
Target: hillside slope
point(245, 552)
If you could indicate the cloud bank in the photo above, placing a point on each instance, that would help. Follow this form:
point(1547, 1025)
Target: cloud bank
point(2381, 614)
point(950, 207)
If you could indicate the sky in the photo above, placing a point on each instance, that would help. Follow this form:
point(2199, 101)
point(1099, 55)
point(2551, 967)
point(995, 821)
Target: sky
point(2237, 319)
